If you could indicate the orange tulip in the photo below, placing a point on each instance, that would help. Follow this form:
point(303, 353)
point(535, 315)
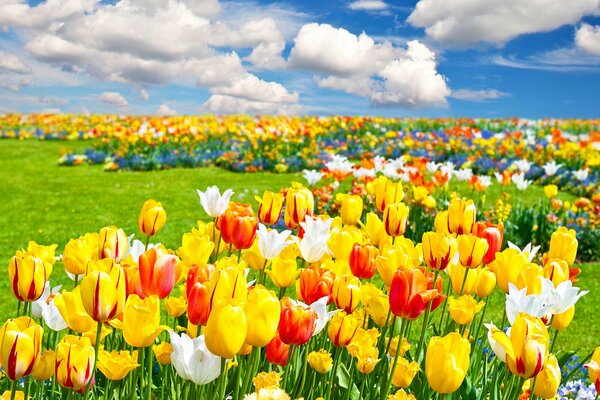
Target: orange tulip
point(157, 273)
point(493, 234)
point(238, 230)
point(277, 351)
point(296, 323)
point(409, 293)
point(315, 283)
point(362, 260)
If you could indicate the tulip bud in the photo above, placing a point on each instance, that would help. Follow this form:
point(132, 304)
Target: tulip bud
point(362, 260)
point(74, 362)
point(152, 218)
point(486, 282)
point(44, 367)
point(103, 290)
point(264, 310)
point(346, 292)
point(320, 361)
point(79, 252)
point(563, 245)
point(20, 345)
point(269, 209)
point(438, 250)
point(395, 219)
point(28, 276)
point(548, 380)
point(113, 243)
point(352, 207)
point(226, 328)
point(447, 362)
point(461, 216)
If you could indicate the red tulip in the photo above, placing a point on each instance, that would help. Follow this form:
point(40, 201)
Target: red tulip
point(493, 234)
point(277, 351)
point(362, 260)
point(409, 293)
point(157, 273)
point(296, 323)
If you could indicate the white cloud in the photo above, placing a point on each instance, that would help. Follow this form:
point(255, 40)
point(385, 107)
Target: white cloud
point(253, 88)
point(55, 101)
point(15, 86)
point(478, 95)
point(224, 104)
point(468, 22)
point(18, 14)
point(386, 74)
point(587, 38)
point(164, 109)
point(368, 5)
point(12, 63)
point(560, 60)
point(144, 94)
point(115, 98)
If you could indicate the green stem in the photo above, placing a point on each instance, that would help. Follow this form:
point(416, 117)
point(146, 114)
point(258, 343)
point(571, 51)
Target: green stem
point(147, 242)
point(96, 348)
point(425, 320)
point(223, 378)
point(282, 292)
point(445, 304)
point(554, 340)
point(13, 389)
point(149, 366)
point(336, 361)
point(286, 370)
point(388, 382)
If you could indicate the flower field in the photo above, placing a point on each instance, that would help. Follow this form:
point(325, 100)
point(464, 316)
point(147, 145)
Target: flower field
point(363, 258)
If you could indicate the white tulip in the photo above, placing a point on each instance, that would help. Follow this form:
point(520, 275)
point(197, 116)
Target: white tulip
point(271, 242)
point(192, 360)
point(213, 202)
point(312, 176)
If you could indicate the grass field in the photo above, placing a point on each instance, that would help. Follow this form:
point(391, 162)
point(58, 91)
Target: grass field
point(50, 204)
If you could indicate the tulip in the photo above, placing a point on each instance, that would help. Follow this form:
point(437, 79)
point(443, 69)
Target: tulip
point(238, 230)
point(342, 241)
point(447, 362)
point(529, 278)
point(551, 191)
point(44, 367)
point(457, 272)
point(152, 218)
point(28, 276)
point(113, 243)
point(461, 216)
point(409, 295)
point(20, 346)
point(471, 250)
point(391, 259)
point(103, 290)
point(277, 351)
point(320, 361)
point(192, 360)
point(79, 252)
point(548, 380)
point(405, 372)
point(526, 349)
point(213, 202)
point(374, 229)
point(252, 257)
point(352, 207)
point(346, 292)
point(226, 328)
point(395, 219)
point(7, 395)
point(593, 368)
point(44, 253)
point(283, 272)
point(117, 364)
point(163, 352)
point(563, 245)
point(440, 223)
point(70, 306)
point(464, 308)
point(486, 282)
point(176, 306)
point(367, 359)
point(556, 270)
point(195, 250)
point(412, 251)
point(157, 273)
point(45, 308)
point(296, 323)
point(362, 260)
point(271, 243)
point(562, 321)
point(298, 204)
point(493, 234)
point(438, 250)
point(375, 302)
point(508, 266)
point(393, 346)
point(269, 209)
point(263, 310)
point(343, 327)
point(74, 362)
point(387, 192)
point(401, 395)
point(141, 321)
point(315, 283)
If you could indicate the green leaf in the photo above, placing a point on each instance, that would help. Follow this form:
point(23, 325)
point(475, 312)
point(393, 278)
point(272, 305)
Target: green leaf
point(467, 390)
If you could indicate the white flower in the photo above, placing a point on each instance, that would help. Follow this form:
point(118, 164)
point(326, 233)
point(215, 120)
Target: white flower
point(137, 248)
point(581, 174)
point(323, 316)
point(561, 297)
point(271, 242)
point(339, 163)
point(311, 249)
point(519, 301)
point(447, 167)
point(213, 202)
point(463, 174)
point(192, 360)
point(364, 172)
point(312, 176)
point(379, 163)
point(484, 181)
point(551, 168)
point(527, 250)
point(432, 167)
point(316, 228)
point(499, 177)
point(44, 308)
point(520, 181)
point(522, 165)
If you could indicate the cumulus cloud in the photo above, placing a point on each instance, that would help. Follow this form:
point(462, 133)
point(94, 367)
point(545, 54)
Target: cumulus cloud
point(48, 14)
point(115, 98)
point(587, 38)
point(387, 75)
point(253, 88)
point(368, 5)
point(223, 104)
point(12, 63)
point(467, 22)
point(478, 95)
point(164, 109)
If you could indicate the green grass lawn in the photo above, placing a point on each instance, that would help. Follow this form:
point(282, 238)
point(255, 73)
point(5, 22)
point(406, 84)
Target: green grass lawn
point(42, 201)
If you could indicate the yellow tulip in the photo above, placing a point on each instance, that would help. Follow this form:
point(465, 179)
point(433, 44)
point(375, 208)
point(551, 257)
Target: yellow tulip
point(7, 395)
point(44, 367)
point(414, 252)
point(486, 282)
point(471, 250)
point(367, 359)
point(195, 249)
point(548, 380)
point(593, 368)
point(117, 364)
point(269, 208)
point(346, 292)
point(74, 362)
point(176, 306)
point(447, 362)
point(341, 241)
point(395, 219)
point(71, 308)
point(405, 372)
point(375, 302)
point(363, 338)
point(283, 272)
point(529, 278)
point(438, 250)
point(440, 223)
point(141, 321)
point(457, 272)
point(401, 395)
point(28, 276)
point(152, 218)
point(464, 308)
point(556, 270)
point(373, 229)
point(389, 261)
point(551, 191)
point(103, 290)
point(563, 320)
point(299, 202)
point(262, 310)
point(113, 243)
point(563, 245)
point(253, 257)
point(320, 361)
point(508, 266)
point(526, 349)
point(387, 192)
point(393, 346)
point(343, 327)
point(79, 252)
point(163, 352)
point(352, 207)
point(20, 345)
point(226, 328)
point(461, 216)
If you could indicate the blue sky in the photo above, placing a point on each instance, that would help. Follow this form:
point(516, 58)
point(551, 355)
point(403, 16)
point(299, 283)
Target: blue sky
point(426, 58)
